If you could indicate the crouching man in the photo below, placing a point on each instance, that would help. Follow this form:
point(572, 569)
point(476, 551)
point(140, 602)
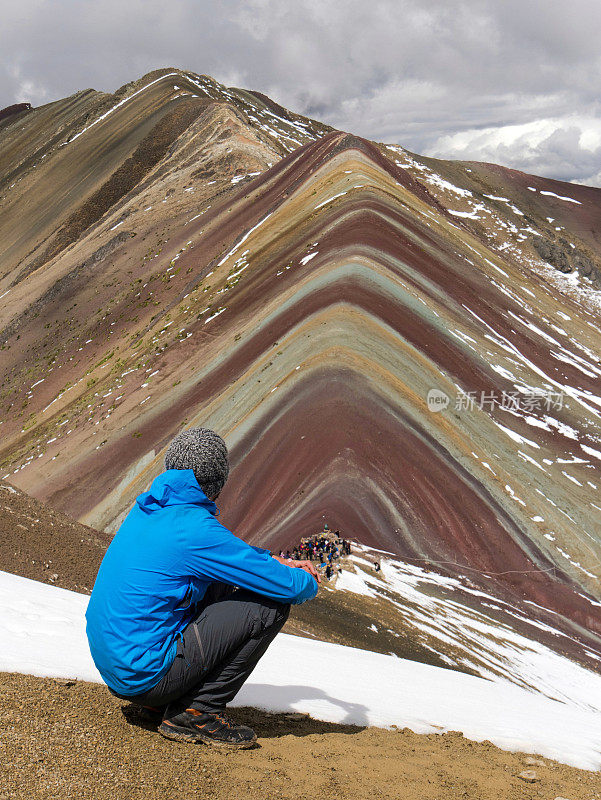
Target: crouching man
point(182, 610)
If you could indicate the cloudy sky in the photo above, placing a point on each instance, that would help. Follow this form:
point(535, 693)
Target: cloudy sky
point(510, 81)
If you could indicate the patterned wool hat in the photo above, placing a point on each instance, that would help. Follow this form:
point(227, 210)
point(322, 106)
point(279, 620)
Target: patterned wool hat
point(204, 452)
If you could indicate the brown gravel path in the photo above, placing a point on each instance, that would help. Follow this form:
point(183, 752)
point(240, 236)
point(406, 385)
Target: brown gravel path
point(73, 740)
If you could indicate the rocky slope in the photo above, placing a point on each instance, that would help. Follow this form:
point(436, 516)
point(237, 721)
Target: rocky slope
point(40, 543)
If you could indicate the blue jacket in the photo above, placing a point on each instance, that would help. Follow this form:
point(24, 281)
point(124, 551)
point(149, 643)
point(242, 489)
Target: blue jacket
point(170, 547)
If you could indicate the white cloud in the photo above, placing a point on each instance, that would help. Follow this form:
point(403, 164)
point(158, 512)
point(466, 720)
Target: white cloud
point(27, 90)
point(568, 148)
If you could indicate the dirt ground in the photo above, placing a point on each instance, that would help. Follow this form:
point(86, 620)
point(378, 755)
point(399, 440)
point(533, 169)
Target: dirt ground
point(64, 739)
point(42, 544)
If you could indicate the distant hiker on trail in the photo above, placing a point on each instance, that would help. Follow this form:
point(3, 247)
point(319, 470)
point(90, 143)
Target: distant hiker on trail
point(182, 609)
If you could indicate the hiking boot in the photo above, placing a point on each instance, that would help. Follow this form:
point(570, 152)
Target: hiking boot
point(217, 730)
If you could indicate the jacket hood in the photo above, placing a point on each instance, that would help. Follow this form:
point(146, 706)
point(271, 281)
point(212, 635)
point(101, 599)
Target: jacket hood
point(175, 487)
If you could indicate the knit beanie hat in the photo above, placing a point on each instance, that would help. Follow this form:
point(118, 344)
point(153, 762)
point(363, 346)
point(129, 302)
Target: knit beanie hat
point(204, 452)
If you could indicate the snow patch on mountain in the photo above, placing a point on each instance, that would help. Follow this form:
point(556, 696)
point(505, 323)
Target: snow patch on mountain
point(42, 632)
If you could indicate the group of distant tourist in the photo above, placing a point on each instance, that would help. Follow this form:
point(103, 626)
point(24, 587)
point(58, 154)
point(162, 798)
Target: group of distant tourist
point(325, 548)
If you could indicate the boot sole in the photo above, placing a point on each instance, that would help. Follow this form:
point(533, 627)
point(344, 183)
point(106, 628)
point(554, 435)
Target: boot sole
point(178, 734)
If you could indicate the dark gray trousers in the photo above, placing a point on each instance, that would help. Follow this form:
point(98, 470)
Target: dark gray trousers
point(230, 631)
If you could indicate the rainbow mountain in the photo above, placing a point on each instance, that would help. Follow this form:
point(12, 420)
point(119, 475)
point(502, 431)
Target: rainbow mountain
point(405, 348)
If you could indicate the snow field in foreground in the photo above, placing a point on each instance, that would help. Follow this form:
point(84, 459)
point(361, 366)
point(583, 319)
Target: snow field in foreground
point(42, 632)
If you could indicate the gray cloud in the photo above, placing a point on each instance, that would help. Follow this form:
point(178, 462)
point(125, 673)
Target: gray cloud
point(451, 79)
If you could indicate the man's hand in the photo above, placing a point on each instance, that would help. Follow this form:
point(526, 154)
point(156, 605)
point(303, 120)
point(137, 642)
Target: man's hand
point(308, 566)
